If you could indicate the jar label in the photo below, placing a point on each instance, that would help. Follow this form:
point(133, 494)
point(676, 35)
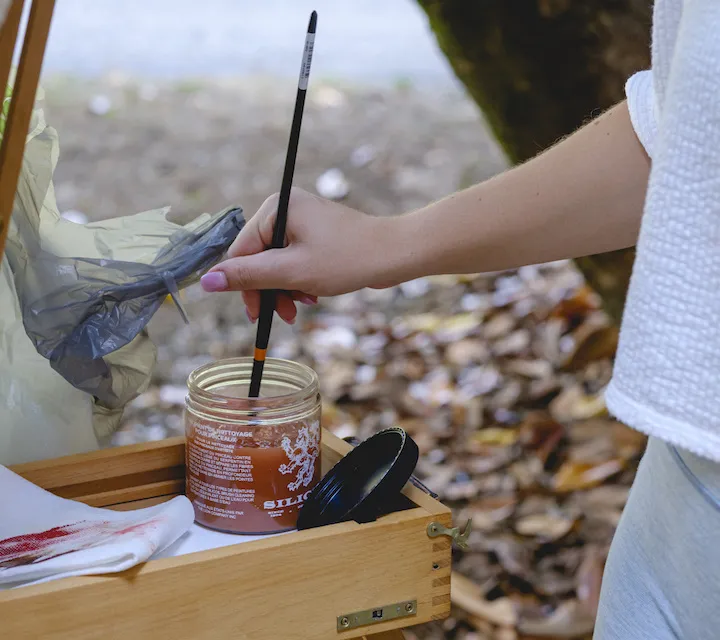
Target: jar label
point(238, 487)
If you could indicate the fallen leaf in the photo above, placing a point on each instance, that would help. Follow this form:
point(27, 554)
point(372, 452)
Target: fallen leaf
point(496, 483)
point(534, 504)
point(466, 595)
point(476, 381)
point(499, 325)
point(487, 459)
point(456, 327)
point(605, 497)
point(465, 352)
point(574, 309)
point(469, 413)
point(513, 344)
point(569, 620)
point(594, 451)
point(338, 378)
point(540, 369)
point(544, 390)
point(437, 478)
point(545, 526)
point(507, 396)
point(574, 404)
point(582, 475)
point(547, 340)
point(514, 555)
point(488, 512)
point(555, 584)
point(595, 339)
point(541, 435)
point(496, 436)
point(528, 473)
point(460, 491)
point(412, 366)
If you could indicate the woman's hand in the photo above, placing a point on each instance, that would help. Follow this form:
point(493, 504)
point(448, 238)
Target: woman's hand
point(330, 249)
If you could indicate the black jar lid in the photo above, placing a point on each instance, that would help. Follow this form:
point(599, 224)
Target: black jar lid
point(363, 483)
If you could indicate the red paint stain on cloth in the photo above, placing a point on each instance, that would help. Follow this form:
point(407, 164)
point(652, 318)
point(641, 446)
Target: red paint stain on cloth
point(37, 547)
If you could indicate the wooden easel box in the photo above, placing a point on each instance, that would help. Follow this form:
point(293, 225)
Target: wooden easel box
point(289, 587)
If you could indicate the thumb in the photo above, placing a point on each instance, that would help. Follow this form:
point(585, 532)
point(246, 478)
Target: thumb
point(257, 234)
point(266, 270)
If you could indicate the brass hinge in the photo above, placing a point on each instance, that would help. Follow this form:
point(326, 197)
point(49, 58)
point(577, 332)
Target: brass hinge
point(378, 614)
point(435, 529)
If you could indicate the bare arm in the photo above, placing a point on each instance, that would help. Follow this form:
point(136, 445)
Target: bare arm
point(583, 196)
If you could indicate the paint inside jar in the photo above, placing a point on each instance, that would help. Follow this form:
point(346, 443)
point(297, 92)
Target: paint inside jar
point(251, 462)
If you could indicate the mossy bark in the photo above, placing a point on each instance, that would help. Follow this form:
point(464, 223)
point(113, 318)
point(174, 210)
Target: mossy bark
point(539, 69)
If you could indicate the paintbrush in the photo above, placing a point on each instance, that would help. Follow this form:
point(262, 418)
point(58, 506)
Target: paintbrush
point(268, 297)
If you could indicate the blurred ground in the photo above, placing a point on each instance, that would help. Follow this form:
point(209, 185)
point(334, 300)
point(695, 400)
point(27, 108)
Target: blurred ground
point(376, 41)
point(498, 377)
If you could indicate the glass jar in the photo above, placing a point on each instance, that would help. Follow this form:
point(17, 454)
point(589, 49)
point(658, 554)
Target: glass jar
point(251, 462)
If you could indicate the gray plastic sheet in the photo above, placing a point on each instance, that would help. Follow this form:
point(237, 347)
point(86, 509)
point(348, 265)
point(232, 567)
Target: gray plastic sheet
point(74, 304)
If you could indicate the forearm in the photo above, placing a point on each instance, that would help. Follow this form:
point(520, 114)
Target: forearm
point(583, 196)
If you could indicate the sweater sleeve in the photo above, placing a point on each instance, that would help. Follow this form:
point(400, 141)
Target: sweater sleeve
point(642, 106)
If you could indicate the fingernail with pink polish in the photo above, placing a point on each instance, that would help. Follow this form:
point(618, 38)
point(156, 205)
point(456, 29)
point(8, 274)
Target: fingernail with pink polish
point(307, 300)
point(214, 281)
point(247, 313)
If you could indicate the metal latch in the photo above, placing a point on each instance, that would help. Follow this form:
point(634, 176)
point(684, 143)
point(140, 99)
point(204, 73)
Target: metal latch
point(378, 614)
point(435, 529)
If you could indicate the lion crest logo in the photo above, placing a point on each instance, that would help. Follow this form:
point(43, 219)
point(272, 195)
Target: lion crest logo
point(302, 455)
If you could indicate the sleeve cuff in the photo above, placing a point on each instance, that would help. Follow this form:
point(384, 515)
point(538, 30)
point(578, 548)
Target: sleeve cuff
point(642, 106)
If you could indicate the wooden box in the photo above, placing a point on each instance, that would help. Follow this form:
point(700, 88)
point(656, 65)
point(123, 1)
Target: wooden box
point(297, 586)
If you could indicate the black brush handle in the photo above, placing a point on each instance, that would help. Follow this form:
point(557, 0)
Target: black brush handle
point(268, 297)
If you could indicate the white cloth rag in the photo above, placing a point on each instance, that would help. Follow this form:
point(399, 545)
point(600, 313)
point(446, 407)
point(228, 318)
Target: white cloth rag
point(43, 537)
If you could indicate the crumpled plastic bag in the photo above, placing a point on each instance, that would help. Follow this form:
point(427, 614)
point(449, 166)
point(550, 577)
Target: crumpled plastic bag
point(74, 303)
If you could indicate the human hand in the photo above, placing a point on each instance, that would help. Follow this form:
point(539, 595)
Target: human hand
point(330, 249)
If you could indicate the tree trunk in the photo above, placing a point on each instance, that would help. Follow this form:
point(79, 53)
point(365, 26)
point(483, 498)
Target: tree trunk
point(539, 69)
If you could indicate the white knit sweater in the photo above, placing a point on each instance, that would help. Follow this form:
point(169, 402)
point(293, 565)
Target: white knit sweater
point(667, 374)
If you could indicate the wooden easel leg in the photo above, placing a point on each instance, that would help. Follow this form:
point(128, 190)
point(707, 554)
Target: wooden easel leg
point(8, 39)
point(23, 99)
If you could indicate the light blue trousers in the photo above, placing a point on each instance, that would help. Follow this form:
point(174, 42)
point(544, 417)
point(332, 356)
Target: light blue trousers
point(662, 578)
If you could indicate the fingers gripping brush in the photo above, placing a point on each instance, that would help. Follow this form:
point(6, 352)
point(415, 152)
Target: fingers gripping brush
point(268, 297)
